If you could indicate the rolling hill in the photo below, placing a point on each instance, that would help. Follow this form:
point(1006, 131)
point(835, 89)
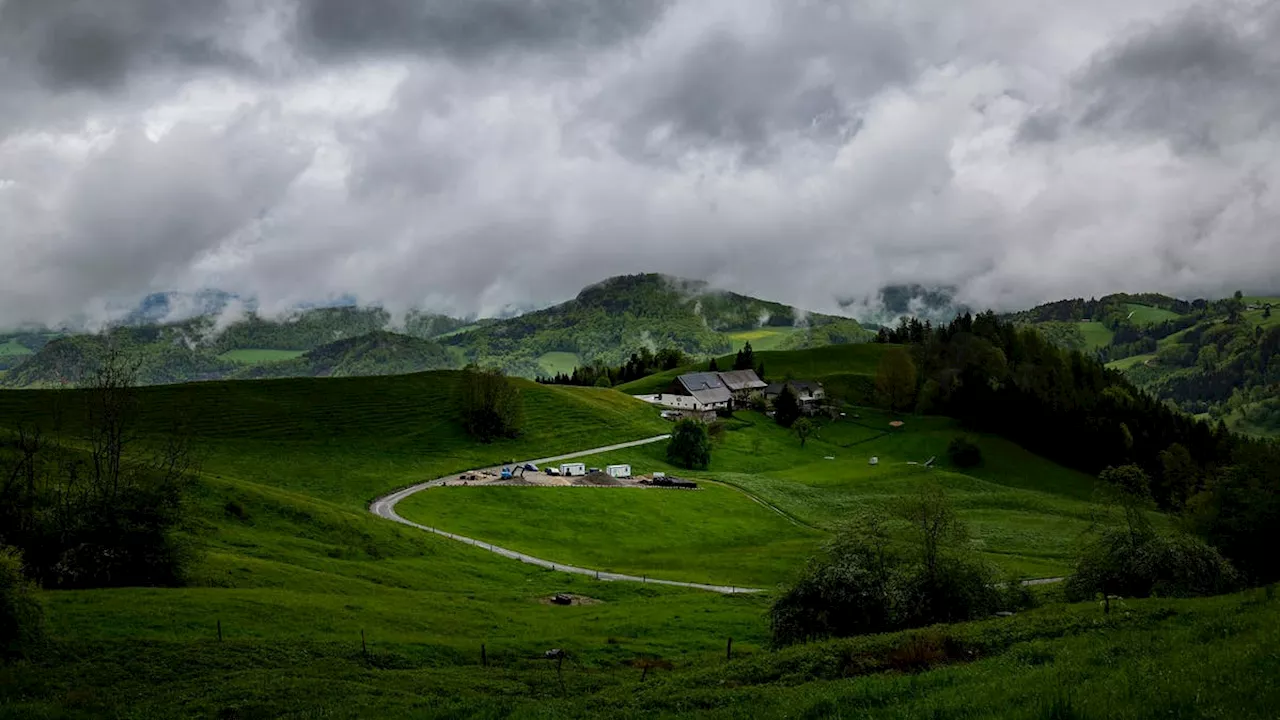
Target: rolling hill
point(608, 321)
point(604, 323)
point(1216, 359)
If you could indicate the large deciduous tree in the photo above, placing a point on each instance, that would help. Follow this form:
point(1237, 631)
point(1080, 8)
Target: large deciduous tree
point(690, 445)
point(896, 380)
point(786, 407)
point(490, 404)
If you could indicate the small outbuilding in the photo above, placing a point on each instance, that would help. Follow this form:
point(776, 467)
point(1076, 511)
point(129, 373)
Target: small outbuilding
point(619, 471)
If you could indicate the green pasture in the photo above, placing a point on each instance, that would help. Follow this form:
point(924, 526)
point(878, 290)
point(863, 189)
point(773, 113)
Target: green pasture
point(860, 359)
point(1148, 315)
point(559, 362)
point(258, 356)
point(1130, 362)
point(765, 338)
point(1096, 335)
point(714, 535)
point(13, 347)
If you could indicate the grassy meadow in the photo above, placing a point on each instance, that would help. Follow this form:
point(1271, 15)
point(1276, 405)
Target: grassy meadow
point(837, 366)
point(765, 338)
point(1148, 315)
point(1096, 335)
point(553, 363)
point(11, 348)
point(296, 570)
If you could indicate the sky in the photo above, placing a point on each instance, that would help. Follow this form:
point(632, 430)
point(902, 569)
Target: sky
point(470, 157)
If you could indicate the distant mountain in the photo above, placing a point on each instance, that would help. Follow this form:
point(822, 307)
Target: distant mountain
point(606, 322)
point(376, 353)
point(893, 302)
point(609, 320)
point(177, 306)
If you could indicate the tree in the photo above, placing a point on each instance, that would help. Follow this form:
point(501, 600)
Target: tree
point(786, 407)
point(712, 366)
point(964, 453)
point(102, 510)
point(21, 615)
point(1179, 476)
point(491, 406)
point(934, 524)
point(896, 380)
point(1266, 310)
point(603, 382)
point(760, 370)
point(746, 359)
point(803, 428)
point(690, 445)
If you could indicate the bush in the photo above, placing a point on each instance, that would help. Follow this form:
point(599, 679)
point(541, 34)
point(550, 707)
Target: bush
point(21, 615)
point(690, 446)
point(1144, 563)
point(863, 584)
point(491, 407)
point(964, 453)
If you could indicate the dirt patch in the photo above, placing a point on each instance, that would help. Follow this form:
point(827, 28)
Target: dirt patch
point(597, 479)
point(566, 599)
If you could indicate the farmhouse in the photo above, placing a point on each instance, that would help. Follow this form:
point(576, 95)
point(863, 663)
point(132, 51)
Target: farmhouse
point(699, 392)
point(810, 393)
point(743, 384)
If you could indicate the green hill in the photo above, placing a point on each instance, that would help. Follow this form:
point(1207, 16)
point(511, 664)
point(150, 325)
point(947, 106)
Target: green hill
point(847, 371)
point(302, 604)
point(608, 321)
point(1210, 358)
point(605, 323)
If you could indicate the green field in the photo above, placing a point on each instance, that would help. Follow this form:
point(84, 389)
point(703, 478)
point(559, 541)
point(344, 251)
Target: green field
point(1130, 362)
point(295, 569)
point(1096, 335)
point(766, 338)
point(841, 363)
point(559, 362)
point(13, 347)
point(1255, 316)
point(1148, 315)
point(254, 356)
point(712, 535)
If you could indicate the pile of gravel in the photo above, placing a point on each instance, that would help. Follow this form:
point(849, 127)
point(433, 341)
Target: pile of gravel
point(598, 479)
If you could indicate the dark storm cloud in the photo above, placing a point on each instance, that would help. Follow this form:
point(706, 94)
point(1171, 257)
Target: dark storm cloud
point(472, 156)
point(470, 29)
point(96, 44)
point(1206, 79)
point(749, 94)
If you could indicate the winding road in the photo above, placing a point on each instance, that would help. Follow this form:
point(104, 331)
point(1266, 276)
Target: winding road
point(385, 507)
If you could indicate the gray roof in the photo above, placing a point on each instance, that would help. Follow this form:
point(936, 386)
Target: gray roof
point(706, 388)
point(798, 386)
point(742, 380)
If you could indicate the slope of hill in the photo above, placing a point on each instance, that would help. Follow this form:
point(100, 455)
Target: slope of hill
point(847, 371)
point(1214, 358)
point(605, 323)
point(608, 321)
point(376, 353)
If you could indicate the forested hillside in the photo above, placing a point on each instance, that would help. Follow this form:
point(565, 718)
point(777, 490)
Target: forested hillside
point(1210, 358)
point(609, 321)
point(605, 324)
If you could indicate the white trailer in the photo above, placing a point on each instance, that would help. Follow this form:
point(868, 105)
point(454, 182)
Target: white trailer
point(618, 471)
point(572, 469)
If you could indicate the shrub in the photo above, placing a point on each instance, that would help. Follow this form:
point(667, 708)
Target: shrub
point(690, 446)
point(1143, 563)
point(964, 453)
point(21, 615)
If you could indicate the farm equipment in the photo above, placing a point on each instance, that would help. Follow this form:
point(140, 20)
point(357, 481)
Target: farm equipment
point(506, 473)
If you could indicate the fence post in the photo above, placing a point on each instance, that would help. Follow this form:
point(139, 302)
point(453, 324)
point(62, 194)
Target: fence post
point(484, 659)
point(364, 646)
point(219, 630)
point(728, 650)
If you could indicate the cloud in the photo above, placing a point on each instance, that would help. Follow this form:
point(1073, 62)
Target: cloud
point(474, 157)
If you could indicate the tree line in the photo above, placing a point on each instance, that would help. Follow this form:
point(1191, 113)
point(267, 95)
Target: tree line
point(642, 363)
